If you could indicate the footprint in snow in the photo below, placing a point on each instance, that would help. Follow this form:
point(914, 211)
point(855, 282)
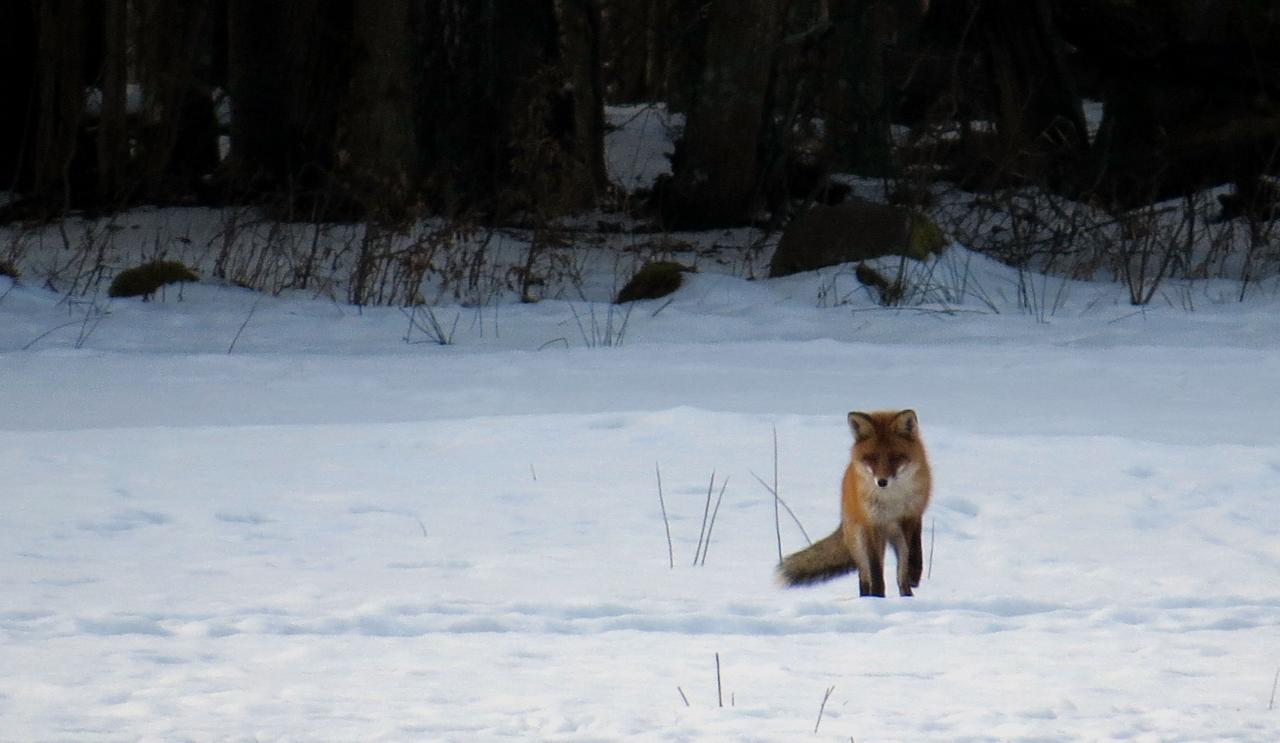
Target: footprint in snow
point(441, 564)
point(121, 625)
point(125, 520)
point(608, 424)
point(252, 519)
point(961, 506)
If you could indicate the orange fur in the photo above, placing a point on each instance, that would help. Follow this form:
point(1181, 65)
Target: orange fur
point(884, 494)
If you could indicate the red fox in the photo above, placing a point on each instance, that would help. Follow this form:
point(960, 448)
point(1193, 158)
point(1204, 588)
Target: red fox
point(883, 497)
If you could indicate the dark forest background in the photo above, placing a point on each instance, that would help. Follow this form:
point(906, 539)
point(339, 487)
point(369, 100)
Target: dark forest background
point(386, 110)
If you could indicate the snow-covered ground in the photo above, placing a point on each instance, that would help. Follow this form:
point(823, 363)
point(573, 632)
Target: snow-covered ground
point(332, 534)
point(233, 516)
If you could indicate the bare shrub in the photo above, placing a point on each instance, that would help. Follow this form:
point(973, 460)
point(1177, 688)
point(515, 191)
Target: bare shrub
point(1152, 243)
point(15, 250)
point(1261, 255)
point(82, 263)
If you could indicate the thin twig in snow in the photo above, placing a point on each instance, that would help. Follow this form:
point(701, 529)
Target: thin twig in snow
point(243, 325)
point(563, 340)
point(434, 331)
point(706, 511)
point(50, 331)
point(719, 693)
point(933, 524)
point(671, 553)
point(622, 330)
point(712, 524)
point(97, 315)
point(777, 524)
point(581, 330)
point(825, 697)
point(784, 505)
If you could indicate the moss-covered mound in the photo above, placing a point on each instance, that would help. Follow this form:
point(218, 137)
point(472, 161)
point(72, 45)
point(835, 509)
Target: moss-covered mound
point(851, 232)
point(143, 281)
point(654, 279)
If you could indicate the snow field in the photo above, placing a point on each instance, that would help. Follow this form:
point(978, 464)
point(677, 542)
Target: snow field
point(231, 516)
point(415, 581)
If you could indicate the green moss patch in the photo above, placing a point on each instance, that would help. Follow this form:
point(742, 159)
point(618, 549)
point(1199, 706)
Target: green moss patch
point(143, 281)
point(925, 238)
point(654, 279)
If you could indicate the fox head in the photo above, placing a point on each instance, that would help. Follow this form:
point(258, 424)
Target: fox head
point(887, 444)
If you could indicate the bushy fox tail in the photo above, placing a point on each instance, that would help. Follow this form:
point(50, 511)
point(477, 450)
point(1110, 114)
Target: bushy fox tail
point(823, 560)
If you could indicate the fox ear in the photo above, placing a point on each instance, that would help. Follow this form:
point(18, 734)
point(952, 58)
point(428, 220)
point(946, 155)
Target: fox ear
point(862, 425)
point(905, 424)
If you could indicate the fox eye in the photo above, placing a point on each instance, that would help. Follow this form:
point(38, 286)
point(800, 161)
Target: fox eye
point(869, 462)
point(896, 462)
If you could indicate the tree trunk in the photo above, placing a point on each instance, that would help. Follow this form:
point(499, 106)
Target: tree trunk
point(679, 30)
point(60, 101)
point(287, 70)
point(178, 136)
point(579, 22)
point(1037, 108)
point(493, 141)
point(382, 142)
point(1190, 95)
point(258, 73)
point(717, 172)
point(113, 133)
point(462, 139)
point(859, 124)
point(19, 53)
point(624, 30)
point(657, 13)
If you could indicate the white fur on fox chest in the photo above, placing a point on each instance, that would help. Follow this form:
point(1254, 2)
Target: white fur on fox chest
point(897, 500)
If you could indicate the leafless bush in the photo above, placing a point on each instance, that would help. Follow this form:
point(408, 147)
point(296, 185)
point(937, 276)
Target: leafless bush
point(1050, 239)
point(227, 240)
point(1153, 241)
point(1029, 228)
point(468, 269)
point(1261, 255)
point(423, 320)
point(17, 244)
point(607, 332)
point(82, 262)
point(374, 250)
point(997, 207)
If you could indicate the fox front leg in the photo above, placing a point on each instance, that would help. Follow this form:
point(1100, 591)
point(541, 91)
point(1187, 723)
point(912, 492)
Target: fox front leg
point(871, 579)
point(902, 551)
point(915, 552)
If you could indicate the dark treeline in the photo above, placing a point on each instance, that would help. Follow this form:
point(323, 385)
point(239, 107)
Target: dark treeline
point(390, 109)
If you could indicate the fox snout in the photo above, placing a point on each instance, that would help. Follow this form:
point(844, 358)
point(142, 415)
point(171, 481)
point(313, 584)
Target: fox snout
point(881, 475)
point(883, 470)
